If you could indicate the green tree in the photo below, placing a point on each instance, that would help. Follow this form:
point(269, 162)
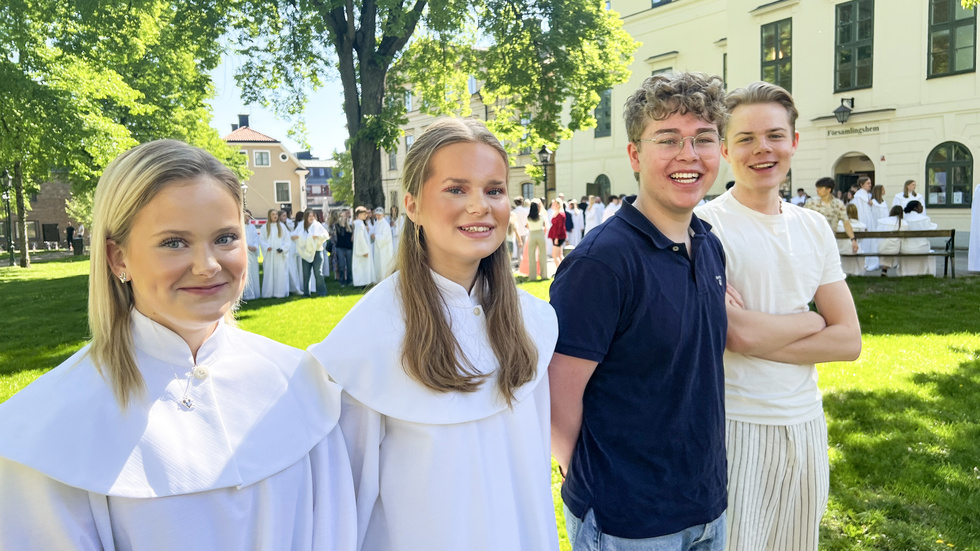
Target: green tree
point(83, 80)
point(970, 3)
point(342, 179)
point(532, 55)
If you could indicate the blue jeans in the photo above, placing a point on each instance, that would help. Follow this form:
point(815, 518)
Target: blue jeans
point(313, 269)
point(345, 257)
point(584, 535)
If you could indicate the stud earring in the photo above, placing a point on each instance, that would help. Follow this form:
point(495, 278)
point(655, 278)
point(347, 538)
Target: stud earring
point(122, 277)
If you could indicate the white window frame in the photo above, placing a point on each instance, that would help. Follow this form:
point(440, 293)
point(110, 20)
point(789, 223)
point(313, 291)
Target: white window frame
point(255, 157)
point(289, 191)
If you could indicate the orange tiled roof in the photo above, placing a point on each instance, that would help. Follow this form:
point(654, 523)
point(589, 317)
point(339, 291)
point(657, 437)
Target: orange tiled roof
point(246, 134)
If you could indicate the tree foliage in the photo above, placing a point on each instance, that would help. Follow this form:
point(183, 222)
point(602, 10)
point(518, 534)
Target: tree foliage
point(81, 81)
point(533, 56)
point(970, 3)
point(342, 179)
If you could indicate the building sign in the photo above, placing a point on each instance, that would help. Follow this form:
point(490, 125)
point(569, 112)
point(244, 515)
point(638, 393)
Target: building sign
point(852, 131)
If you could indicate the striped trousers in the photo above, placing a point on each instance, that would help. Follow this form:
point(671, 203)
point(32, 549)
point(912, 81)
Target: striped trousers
point(778, 485)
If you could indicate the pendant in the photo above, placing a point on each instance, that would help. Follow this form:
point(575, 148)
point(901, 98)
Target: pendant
point(187, 403)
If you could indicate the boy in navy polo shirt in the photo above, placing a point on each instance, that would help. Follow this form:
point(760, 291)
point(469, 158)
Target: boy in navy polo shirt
point(637, 385)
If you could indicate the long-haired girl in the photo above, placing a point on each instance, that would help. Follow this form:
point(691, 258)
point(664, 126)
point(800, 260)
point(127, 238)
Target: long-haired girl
point(445, 368)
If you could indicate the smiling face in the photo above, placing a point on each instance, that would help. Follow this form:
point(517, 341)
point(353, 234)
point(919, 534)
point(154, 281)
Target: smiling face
point(759, 145)
point(673, 184)
point(462, 208)
point(185, 256)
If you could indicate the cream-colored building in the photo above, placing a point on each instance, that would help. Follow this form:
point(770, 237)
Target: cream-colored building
point(907, 69)
point(393, 161)
point(278, 178)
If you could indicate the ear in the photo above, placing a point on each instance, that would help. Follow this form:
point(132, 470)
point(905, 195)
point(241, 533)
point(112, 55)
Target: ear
point(796, 141)
point(116, 257)
point(411, 208)
point(724, 151)
point(633, 152)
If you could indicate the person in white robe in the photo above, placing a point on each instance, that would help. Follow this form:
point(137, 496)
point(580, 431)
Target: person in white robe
point(973, 258)
point(891, 245)
point(615, 203)
point(917, 265)
point(436, 468)
point(362, 265)
point(907, 195)
point(862, 200)
point(578, 223)
point(397, 224)
point(294, 264)
point(252, 288)
point(593, 214)
point(274, 240)
point(384, 251)
point(850, 264)
point(312, 235)
point(173, 429)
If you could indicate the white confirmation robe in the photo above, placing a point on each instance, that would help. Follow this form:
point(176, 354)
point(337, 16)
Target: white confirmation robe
point(257, 463)
point(443, 471)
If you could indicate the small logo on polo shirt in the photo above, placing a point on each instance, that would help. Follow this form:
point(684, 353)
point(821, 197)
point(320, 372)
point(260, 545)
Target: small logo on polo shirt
point(720, 282)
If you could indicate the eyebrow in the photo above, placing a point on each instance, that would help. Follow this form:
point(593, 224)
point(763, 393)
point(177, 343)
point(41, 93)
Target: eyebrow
point(676, 131)
point(776, 129)
point(452, 180)
point(182, 233)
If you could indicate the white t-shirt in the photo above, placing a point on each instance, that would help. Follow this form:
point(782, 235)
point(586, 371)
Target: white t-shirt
point(520, 220)
point(776, 262)
point(443, 471)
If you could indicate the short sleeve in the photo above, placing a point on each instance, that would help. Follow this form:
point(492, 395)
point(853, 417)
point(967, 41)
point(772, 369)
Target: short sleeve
point(587, 296)
point(832, 271)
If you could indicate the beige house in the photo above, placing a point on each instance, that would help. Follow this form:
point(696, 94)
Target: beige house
point(902, 71)
point(392, 161)
point(279, 178)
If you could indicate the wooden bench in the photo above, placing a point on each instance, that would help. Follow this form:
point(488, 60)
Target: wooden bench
point(949, 253)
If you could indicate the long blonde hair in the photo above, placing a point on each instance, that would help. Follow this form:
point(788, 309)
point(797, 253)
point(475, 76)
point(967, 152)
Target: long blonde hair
point(430, 353)
point(268, 224)
point(128, 184)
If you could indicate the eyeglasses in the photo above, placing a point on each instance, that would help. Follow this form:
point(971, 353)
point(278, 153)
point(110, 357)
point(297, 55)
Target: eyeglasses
point(670, 144)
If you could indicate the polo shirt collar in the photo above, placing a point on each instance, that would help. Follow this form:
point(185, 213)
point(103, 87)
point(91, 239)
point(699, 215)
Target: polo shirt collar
point(632, 216)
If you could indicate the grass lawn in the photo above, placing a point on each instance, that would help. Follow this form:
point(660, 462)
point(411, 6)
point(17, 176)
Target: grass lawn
point(904, 420)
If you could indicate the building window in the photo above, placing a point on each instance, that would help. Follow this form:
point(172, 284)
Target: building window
point(262, 158)
point(777, 53)
point(525, 146)
point(471, 85)
point(283, 194)
point(393, 160)
point(952, 38)
point(666, 71)
point(854, 45)
point(408, 100)
point(658, 3)
point(724, 70)
point(409, 140)
point(949, 176)
point(527, 190)
point(244, 154)
point(603, 115)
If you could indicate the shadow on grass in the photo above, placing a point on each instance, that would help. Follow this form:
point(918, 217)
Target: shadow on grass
point(906, 465)
point(917, 305)
point(44, 322)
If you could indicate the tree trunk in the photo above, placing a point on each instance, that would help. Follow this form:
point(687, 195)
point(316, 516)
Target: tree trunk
point(366, 162)
point(25, 258)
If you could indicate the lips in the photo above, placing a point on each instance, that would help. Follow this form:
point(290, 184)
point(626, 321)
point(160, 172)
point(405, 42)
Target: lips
point(476, 229)
point(762, 166)
point(205, 290)
point(685, 177)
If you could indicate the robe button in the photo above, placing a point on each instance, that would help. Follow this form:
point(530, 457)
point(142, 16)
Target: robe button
point(675, 248)
point(476, 311)
point(200, 373)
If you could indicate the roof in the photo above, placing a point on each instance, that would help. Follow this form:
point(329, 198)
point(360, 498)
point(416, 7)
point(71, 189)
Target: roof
point(318, 163)
point(246, 134)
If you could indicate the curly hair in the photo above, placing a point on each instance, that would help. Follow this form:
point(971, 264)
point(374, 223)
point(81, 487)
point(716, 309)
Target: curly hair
point(661, 96)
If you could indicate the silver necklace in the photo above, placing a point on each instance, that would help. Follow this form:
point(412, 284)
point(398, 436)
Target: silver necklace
point(200, 373)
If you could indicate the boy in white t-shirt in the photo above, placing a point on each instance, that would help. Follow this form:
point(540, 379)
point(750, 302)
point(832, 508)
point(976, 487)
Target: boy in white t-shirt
point(779, 258)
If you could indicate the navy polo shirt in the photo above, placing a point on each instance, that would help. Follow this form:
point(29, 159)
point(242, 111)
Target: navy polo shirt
point(650, 458)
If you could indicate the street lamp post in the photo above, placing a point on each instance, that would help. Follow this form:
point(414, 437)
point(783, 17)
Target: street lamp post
point(244, 196)
point(544, 156)
point(6, 183)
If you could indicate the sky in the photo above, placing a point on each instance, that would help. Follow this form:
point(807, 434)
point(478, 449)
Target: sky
point(324, 115)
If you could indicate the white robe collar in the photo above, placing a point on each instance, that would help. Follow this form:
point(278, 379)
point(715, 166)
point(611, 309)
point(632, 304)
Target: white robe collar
point(257, 412)
point(363, 354)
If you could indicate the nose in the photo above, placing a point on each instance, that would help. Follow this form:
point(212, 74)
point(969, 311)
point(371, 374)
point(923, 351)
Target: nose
point(763, 145)
point(477, 202)
point(205, 262)
point(687, 150)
